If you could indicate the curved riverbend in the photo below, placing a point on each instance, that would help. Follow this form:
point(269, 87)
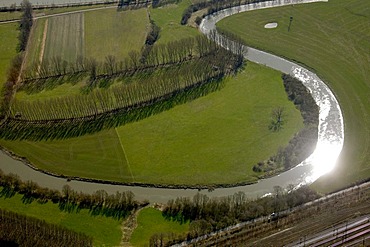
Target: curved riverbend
point(330, 139)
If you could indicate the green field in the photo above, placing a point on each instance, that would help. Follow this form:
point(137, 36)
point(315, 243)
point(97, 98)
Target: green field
point(65, 37)
point(168, 19)
point(36, 43)
point(6, 16)
point(151, 221)
point(225, 132)
point(103, 230)
point(334, 39)
point(8, 44)
point(112, 32)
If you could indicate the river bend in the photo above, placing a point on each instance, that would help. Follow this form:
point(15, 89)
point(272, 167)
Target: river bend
point(329, 146)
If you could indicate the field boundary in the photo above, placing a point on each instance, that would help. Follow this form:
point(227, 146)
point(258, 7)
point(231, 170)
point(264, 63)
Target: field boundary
point(43, 44)
point(124, 152)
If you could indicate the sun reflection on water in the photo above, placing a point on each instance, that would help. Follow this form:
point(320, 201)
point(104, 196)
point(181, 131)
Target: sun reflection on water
point(324, 159)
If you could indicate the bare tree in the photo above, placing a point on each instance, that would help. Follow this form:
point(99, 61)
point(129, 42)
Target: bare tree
point(277, 120)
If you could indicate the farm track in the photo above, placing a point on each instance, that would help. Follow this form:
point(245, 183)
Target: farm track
point(43, 44)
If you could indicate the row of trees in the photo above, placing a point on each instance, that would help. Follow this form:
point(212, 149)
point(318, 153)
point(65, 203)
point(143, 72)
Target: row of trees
point(304, 142)
point(12, 78)
point(211, 214)
point(118, 205)
point(25, 25)
point(151, 38)
point(20, 230)
point(158, 85)
point(160, 3)
point(213, 6)
point(173, 52)
point(14, 129)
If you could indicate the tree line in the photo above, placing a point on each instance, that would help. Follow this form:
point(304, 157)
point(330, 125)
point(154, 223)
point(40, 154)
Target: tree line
point(160, 3)
point(174, 52)
point(142, 94)
point(304, 142)
point(118, 205)
point(14, 70)
point(25, 25)
point(212, 6)
point(212, 214)
point(21, 230)
point(132, 91)
point(14, 128)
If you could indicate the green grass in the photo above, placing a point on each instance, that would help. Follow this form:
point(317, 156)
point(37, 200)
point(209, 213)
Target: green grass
point(5, 16)
point(168, 19)
point(8, 44)
point(35, 43)
point(225, 132)
point(334, 39)
point(95, 156)
point(112, 32)
point(102, 229)
point(151, 221)
point(8, 16)
point(65, 37)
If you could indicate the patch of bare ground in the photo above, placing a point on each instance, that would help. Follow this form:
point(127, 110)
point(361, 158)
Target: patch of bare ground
point(303, 221)
point(128, 227)
point(199, 13)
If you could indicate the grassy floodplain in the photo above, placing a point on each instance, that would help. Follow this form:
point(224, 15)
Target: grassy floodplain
point(149, 222)
point(334, 39)
point(104, 231)
point(225, 132)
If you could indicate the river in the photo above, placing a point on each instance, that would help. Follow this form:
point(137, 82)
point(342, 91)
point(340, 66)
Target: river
point(329, 146)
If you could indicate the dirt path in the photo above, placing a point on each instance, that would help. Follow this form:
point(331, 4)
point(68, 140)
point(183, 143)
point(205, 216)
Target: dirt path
point(43, 45)
point(128, 227)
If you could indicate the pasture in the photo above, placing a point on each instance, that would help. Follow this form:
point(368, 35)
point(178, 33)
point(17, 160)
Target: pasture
point(104, 231)
point(168, 19)
point(112, 32)
point(333, 39)
point(149, 222)
point(8, 44)
point(225, 132)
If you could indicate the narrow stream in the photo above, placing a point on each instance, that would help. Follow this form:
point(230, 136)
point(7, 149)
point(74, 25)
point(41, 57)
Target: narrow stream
point(330, 139)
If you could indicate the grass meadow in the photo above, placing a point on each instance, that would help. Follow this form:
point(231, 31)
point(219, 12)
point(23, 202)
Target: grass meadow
point(334, 40)
point(225, 132)
point(149, 222)
point(112, 32)
point(168, 19)
point(104, 231)
point(8, 45)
